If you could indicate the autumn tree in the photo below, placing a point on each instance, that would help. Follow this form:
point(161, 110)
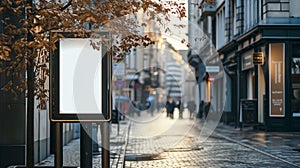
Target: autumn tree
point(28, 39)
point(26, 27)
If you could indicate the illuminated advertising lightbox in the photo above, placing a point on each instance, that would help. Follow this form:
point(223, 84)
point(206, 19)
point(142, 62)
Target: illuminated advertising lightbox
point(276, 80)
point(77, 82)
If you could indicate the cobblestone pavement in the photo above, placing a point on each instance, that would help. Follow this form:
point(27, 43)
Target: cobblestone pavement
point(179, 146)
point(158, 141)
point(71, 151)
point(279, 145)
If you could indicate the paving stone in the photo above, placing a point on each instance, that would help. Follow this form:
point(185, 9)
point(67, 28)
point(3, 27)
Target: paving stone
point(160, 142)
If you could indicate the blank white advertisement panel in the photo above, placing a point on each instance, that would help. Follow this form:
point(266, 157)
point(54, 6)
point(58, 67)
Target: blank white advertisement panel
point(79, 77)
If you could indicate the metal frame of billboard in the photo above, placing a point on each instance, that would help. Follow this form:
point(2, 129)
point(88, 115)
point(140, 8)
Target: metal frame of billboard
point(105, 115)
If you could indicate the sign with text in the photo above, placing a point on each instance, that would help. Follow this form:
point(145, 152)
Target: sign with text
point(212, 69)
point(276, 80)
point(249, 111)
point(247, 61)
point(119, 69)
point(211, 78)
point(120, 83)
point(258, 58)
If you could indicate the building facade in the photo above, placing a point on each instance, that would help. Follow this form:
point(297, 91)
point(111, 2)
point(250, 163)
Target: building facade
point(258, 43)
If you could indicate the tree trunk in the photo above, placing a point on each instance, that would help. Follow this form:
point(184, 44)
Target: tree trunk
point(30, 105)
point(30, 115)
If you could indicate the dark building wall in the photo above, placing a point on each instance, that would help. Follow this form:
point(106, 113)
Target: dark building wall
point(12, 127)
point(12, 114)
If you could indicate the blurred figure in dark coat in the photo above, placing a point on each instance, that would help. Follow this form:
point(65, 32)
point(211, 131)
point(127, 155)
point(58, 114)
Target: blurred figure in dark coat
point(192, 108)
point(170, 106)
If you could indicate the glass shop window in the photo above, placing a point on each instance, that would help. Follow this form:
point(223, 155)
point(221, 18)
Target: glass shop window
point(295, 72)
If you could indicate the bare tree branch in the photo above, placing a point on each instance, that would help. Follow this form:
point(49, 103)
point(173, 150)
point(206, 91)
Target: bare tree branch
point(67, 5)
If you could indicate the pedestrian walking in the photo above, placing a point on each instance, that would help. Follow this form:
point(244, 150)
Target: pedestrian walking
point(192, 108)
point(170, 106)
point(180, 108)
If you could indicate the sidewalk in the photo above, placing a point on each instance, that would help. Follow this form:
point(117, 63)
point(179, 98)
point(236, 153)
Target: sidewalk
point(282, 145)
point(71, 151)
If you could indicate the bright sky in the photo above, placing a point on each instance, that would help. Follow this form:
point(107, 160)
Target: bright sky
point(178, 33)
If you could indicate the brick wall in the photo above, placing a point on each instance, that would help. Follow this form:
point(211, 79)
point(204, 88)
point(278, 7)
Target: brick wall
point(240, 17)
point(276, 8)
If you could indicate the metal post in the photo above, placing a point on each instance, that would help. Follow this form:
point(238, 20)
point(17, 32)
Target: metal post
point(119, 109)
point(86, 160)
point(30, 114)
point(118, 124)
point(58, 160)
point(105, 144)
point(238, 94)
point(95, 139)
point(30, 105)
point(106, 105)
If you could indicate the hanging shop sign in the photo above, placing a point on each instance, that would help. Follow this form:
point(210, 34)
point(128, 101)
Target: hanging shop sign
point(276, 80)
point(258, 58)
point(212, 69)
point(211, 78)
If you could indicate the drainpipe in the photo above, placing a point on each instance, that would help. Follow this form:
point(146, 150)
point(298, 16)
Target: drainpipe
point(238, 93)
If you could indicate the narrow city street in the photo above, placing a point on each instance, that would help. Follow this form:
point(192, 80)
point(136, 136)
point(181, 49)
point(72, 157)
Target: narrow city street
point(94, 84)
point(148, 141)
point(165, 142)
